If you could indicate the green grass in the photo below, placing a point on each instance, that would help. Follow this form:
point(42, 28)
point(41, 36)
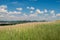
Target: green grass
point(50, 31)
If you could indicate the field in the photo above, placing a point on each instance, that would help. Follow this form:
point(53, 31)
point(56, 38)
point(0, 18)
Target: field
point(31, 31)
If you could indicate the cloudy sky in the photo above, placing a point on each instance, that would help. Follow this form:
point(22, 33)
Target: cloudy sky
point(29, 9)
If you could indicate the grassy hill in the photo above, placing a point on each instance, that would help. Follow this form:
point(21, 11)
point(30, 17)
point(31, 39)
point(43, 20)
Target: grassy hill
point(31, 31)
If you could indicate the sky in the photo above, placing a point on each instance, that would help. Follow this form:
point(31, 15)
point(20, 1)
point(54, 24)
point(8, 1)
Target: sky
point(29, 10)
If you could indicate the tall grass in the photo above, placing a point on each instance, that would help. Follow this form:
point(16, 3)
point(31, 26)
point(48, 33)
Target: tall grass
point(50, 31)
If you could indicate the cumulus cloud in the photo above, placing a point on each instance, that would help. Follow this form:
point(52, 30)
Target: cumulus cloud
point(5, 14)
point(31, 11)
point(1, 16)
point(45, 11)
point(25, 15)
point(12, 16)
point(35, 14)
point(38, 11)
point(30, 8)
point(19, 9)
point(14, 12)
point(58, 14)
point(3, 8)
point(52, 11)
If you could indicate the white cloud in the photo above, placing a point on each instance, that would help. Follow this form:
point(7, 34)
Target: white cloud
point(30, 8)
point(19, 9)
point(58, 14)
point(14, 12)
point(52, 11)
point(3, 8)
point(45, 11)
point(46, 14)
point(39, 12)
point(31, 11)
point(42, 12)
point(1, 16)
point(11, 16)
point(25, 15)
point(33, 15)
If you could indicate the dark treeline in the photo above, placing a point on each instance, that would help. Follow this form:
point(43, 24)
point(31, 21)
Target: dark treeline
point(3, 23)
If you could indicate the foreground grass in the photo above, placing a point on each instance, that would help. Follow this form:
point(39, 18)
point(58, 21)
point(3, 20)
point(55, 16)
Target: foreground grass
point(31, 31)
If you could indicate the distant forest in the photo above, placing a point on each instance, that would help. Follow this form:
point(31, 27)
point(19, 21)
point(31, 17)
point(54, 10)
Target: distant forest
point(3, 23)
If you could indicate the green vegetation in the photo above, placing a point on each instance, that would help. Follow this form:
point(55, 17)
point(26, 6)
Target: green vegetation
point(48, 31)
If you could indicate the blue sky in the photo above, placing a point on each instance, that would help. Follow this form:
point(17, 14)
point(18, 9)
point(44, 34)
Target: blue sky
point(29, 9)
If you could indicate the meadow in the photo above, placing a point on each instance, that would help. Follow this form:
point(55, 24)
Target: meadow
point(31, 31)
